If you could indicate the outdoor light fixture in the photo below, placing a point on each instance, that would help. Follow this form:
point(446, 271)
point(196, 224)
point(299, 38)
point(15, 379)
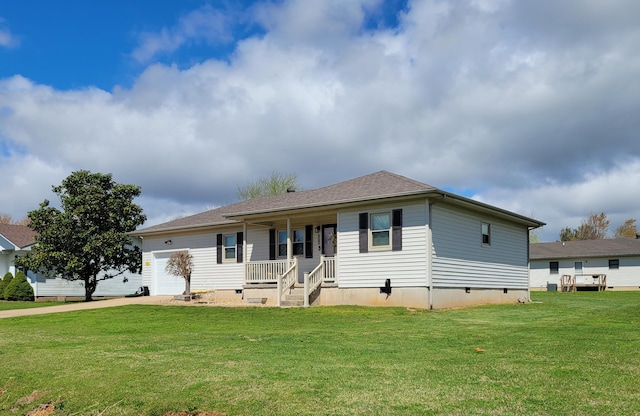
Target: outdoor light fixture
point(168, 242)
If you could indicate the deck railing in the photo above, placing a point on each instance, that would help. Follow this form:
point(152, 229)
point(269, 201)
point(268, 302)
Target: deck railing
point(266, 271)
point(323, 272)
point(571, 283)
point(288, 279)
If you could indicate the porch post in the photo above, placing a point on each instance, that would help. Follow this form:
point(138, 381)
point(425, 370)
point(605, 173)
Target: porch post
point(244, 251)
point(289, 245)
point(306, 289)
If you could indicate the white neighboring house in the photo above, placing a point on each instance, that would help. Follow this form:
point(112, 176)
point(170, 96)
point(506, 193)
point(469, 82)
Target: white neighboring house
point(618, 259)
point(17, 240)
point(380, 239)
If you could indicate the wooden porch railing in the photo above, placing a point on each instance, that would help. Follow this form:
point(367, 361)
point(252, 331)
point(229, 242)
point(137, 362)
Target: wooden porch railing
point(325, 271)
point(570, 283)
point(288, 279)
point(266, 271)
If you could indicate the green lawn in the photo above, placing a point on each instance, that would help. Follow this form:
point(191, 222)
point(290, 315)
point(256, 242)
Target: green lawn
point(6, 305)
point(564, 354)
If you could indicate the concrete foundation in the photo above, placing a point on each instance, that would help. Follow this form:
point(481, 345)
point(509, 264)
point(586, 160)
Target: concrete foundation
point(415, 297)
point(446, 298)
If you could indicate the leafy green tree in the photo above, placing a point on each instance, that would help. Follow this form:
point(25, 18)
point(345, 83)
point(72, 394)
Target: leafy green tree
point(86, 240)
point(181, 264)
point(277, 183)
point(4, 282)
point(627, 230)
point(19, 289)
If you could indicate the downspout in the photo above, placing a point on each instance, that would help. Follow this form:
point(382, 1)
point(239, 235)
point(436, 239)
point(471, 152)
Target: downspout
point(529, 263)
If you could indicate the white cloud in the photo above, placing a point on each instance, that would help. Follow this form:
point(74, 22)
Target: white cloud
point(7, 39)
point(469, 97)
point(202, 25)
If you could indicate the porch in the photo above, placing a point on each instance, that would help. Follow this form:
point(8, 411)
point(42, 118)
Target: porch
point(282, 276)
point(576, 282)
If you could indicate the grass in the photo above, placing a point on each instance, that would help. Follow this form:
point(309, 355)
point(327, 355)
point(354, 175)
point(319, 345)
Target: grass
point(564, 354)
point(6, 305)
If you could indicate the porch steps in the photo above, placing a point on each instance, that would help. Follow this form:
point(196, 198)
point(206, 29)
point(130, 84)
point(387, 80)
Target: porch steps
point(294, 298)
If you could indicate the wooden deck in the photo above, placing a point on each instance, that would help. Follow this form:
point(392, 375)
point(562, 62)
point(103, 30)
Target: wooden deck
point(572, 283)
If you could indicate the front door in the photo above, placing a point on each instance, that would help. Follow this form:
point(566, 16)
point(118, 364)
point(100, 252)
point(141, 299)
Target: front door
point(329, 240)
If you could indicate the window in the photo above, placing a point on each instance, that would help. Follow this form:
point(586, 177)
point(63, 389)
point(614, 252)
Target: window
point(553, 267)
point(486, 233)
point(380, 230)
point(614, 264)
point(297, 243)
point(229, 247)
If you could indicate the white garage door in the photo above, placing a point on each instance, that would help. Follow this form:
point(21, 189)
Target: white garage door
point(164, 283)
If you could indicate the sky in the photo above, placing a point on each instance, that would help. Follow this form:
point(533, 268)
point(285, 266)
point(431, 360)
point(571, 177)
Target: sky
point(530, 106)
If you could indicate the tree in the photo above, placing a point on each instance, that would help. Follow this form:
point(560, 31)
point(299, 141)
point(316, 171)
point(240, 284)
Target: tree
point(19, 289)
point(594, 227)
point(7, 219)
point(627, 230)
point(276, 184)
point(8, 277)
point(568, 234)
point(181, 264)
point(87, 239)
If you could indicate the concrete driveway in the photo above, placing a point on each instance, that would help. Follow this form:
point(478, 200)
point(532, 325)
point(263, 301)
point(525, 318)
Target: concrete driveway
point(80, 306)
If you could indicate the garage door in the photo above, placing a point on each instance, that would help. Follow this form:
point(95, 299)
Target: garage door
point(164, 283)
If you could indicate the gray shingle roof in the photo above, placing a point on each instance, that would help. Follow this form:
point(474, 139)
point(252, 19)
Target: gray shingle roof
point(585, 248)
point(371, 187)
point(19, 235)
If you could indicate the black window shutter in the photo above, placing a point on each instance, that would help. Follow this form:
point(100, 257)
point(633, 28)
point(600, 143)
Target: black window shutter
point(239, 242)
point(396, 230)
point(364, 232)
point(308, 241)
point(272, 244)
point(219, 248)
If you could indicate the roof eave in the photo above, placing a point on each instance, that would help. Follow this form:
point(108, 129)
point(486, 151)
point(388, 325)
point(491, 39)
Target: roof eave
point(170, 230)
point(530, 222)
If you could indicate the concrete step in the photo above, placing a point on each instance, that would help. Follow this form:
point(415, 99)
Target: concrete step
point(291, 303)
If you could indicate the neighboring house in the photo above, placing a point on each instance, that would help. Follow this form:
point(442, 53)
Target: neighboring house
point(17, 240)
point(381, 239)
point(618, 259)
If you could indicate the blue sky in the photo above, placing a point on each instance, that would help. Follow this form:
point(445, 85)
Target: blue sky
point(531, 106)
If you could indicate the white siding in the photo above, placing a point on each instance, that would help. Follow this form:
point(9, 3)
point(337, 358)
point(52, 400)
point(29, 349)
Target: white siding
point(627, 275)
point(461, 260)
point(408, 268)
point(207, 273)
point(110, 287)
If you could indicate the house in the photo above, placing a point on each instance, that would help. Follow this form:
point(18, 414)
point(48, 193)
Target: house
point(380, 239)
point(609, 263)
point(17, 240)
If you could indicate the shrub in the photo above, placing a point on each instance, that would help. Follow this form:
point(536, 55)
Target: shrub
point(19, 289)
point(8, 277)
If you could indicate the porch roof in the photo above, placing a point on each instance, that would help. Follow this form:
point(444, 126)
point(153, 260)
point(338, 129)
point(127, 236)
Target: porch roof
point(376, 186)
